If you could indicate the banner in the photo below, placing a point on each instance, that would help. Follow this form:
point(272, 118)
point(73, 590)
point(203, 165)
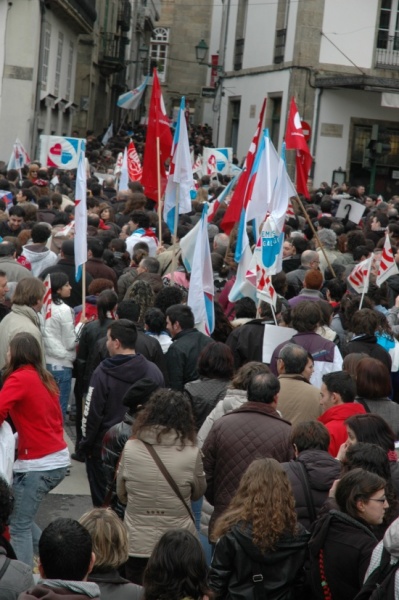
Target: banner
point(217, 160)
point(60, 152)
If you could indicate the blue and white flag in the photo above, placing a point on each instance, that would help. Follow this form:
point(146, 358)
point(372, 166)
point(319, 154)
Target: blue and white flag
point(180, 178)
point(124, 176)
point(80, 239)
point(108, 134)
point(201, 291)
point(131, 100)
point(243, 256)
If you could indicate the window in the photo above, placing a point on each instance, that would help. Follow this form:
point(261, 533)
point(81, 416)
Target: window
point(58, 64)
point(159, 50)
point(388, 34)
point(240, 34)
point(46, 55)
point(69, 73)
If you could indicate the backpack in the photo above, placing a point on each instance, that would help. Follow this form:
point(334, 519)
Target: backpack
point(380, 580)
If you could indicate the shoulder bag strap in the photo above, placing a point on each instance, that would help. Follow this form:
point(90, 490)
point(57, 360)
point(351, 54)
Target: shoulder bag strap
point(168, 477)
point(303, 476)
point(4, 567)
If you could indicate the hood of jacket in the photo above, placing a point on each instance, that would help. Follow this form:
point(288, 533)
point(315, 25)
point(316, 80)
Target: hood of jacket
point(322, 525)
point(35, 253)
point(319, 466)
point(286, 546)
point(341, 412)
point(124, 367)
point(51, 589)
point(391, 539)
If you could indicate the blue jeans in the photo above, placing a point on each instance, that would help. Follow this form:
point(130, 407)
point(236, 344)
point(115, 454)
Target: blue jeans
point(63, 377)
point(29, 489)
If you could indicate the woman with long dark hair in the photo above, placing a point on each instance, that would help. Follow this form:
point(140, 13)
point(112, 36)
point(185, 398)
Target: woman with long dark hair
point(165, 426)
point(59, 337)
point(176, 568)
point(30, 397)
point(373, 429)
point(342, 541)
point(258, 538)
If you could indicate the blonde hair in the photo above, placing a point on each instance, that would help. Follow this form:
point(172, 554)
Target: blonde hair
point(109, 538)
point(265, 501)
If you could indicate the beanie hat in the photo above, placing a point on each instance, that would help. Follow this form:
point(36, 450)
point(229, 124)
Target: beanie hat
point(139, 393)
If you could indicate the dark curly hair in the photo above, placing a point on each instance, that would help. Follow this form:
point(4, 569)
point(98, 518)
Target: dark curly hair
point(6, 503)
point(176, 569)
point(168, 410)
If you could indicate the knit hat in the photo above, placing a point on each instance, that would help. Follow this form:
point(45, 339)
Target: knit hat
point(139, 393)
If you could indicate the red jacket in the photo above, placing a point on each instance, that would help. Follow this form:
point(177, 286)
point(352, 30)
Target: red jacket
point(334, 419)
point(36, 414)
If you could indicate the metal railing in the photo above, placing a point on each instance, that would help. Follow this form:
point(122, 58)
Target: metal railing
point(387, 54)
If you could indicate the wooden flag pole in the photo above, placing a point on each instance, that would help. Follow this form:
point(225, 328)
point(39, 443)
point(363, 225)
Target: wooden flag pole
point(176, 221)
point(159, 192)
point(305, 214)
point(84, 289)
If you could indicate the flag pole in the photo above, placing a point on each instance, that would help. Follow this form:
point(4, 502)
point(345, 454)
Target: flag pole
point(176, 220)
point(84, 289)
point(305, 214)
point(274, 314)
point(159, 192)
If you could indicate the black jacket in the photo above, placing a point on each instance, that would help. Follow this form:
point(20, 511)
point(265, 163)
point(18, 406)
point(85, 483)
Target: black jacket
point(368, 344)
point(236, 560)
point(246, 342)
point(182, 357)
point(347, 546)
point(321, 470)
point(204, 394)
point(145, 345)
point(109, 383)
point(113, 443)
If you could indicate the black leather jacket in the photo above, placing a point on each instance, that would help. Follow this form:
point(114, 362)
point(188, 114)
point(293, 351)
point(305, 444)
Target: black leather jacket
point(236, 560)
point(113, 443)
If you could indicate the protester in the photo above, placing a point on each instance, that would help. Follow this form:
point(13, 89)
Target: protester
point(342, 541)
point(30, 397)
point(59, 338)
point(165, 426)
point(110, 547)
point(260, 549)
point(176, 568)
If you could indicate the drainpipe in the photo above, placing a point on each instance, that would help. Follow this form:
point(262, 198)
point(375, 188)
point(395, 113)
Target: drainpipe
point(35, 122)
point(316, 120)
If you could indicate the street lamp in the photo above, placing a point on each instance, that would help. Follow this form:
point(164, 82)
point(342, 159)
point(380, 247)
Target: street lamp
point(201, 50)
point(143, 52)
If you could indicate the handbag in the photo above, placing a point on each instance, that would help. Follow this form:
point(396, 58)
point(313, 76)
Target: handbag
point(168, 478)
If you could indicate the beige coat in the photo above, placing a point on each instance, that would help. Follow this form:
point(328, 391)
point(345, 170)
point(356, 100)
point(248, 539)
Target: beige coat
point(298, 400)
point(152, 506)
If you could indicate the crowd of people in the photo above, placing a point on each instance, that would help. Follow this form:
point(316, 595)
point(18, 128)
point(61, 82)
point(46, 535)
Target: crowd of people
point(223, 466)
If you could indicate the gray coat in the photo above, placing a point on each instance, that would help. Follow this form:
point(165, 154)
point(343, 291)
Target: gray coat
point(16, 579)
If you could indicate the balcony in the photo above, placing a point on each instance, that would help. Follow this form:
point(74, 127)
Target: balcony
point(238, 54)
point(111, 58)
point(125, 16)
point(279, 46)
point(387, 55)
point(152, 11)
point(78, 14)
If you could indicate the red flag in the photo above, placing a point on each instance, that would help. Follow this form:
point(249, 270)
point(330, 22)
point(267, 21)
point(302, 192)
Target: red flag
point(240, 197)
point(295, 140)
point(133, 163)
point(158, 127)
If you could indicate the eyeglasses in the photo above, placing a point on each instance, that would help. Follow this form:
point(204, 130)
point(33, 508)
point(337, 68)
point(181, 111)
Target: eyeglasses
point(382, 500)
